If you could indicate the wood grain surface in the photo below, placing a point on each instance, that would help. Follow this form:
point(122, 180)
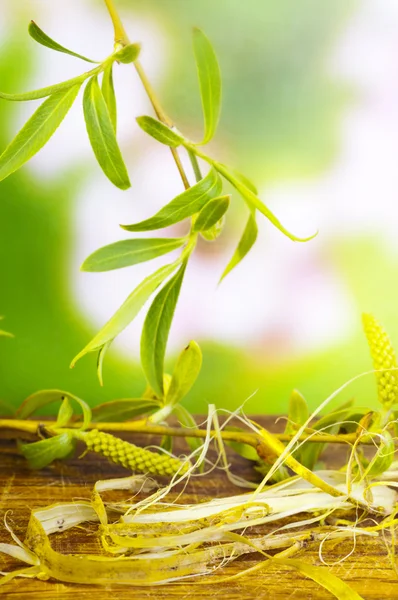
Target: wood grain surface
point(367, 570)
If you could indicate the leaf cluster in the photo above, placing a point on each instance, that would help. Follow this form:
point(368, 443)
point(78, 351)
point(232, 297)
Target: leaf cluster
point(99, 107)
point(204, 203)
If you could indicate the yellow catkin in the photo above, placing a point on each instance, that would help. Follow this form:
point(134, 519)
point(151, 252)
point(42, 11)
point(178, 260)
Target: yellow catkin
point(383, 356)
point(132, 457)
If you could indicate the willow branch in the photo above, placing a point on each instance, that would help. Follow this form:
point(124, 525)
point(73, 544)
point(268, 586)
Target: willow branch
point(31, 427)
point(122, 38)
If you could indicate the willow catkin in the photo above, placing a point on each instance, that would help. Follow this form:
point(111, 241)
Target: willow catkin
point(132, 457)
point(383, 356)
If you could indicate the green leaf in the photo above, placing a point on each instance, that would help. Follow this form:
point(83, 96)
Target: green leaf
point(37, 131)
point(108, 91)
point(100, 361)
point(129, 252)
point(298, 412)
point(160, 132)
point(167, 443)
point(42, 38)
point(246, 243)
point(243, 450)
point(382, 459)
point(38, 400)
point(183, 206)
point(279, 475)
point(243, 179)
point(209, 81)
point(255, 203)
point(65, 413)
point(309, 454)
point(40, 454)
point(187, 420)
point(86, 410)
point(156, 331)
point(124, 409)
point(214, 232)
point(128, 54)
point(211, 213)
point(43, 398)
point(128, 311)
point(185, 373)
point(50, 90)
point(102, 135)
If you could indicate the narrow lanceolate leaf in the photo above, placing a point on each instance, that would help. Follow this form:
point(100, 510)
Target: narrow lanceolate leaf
point(42, 38)
point(128, 54)
point(209, 82)
point(187, 420)
point(185, 373)
point(100, 362)
point(255, 203)
point(65, 413)
point(128, 311)
point(37, 131)
point(108, 91)
point(309, 453)
point(156, 331)
point(40, 454)
point(298, 412)
point(160, 132)
point(51, 89)
point(124, 409)
point(183, 206)
point(102, 136)
point(45, 397)
point(246, 243)
point(129, 252)
point(383, 457)
point(245, 180)
point(240, 448)
point(211, 213)
point(39, 400)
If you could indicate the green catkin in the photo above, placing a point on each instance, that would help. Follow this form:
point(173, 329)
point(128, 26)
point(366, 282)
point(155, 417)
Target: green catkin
point(130, 456)
point(383, 356)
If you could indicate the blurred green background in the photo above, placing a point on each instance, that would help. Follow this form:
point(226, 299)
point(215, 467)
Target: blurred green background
point(284, 123)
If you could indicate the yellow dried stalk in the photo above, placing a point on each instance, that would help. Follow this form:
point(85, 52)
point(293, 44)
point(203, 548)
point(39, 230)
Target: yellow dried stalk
point(131, 456)
point(154, 568)
point(164, 550)
point(157, 542)
point(383, 356)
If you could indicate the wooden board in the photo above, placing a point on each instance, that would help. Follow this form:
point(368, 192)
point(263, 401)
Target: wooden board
point(367, 570)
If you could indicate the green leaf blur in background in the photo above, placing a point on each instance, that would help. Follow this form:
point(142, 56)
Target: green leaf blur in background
point(280, 120)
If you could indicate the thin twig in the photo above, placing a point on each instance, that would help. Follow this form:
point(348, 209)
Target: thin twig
point(141, 426)
point(122, 38)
